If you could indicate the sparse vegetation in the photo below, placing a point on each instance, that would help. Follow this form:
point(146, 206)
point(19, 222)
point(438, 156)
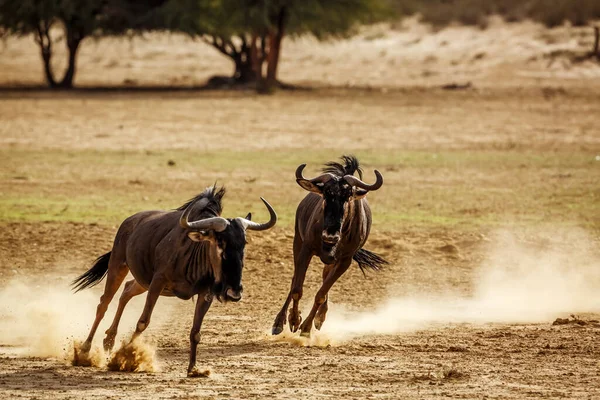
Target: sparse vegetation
point(476, 12)
point(477, 187)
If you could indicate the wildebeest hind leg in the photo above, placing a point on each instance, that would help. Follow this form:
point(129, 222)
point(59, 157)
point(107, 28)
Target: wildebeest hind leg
point(117, 271)
point(321, 296)
point(202, 306)
point(132, 289)
point(322, 311)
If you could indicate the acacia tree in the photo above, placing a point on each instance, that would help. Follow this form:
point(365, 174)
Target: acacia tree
point(251, 32)
point(77, 19)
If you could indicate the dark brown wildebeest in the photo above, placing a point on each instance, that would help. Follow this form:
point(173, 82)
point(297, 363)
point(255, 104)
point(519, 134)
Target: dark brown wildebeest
point(332, 222)
point(156, 247)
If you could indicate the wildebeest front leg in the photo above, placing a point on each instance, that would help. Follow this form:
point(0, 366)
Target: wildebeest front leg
point(202, 306)
point(321, 296)
point(322, 311)
point(132, 289)
point(301, 266)
point(156, 287)
point(301, 261)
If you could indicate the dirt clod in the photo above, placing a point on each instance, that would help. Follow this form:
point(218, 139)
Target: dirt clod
point(136, 356)
point(196, 373)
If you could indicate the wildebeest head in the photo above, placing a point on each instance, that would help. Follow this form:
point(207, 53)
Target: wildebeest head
point(227, 237)
point(338, 187)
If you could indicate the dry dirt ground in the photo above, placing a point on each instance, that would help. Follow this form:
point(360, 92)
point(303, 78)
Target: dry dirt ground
point(489, 216)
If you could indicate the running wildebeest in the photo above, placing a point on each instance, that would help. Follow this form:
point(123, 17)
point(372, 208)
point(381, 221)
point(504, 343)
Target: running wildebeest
point(332, 222)
point(169, 255)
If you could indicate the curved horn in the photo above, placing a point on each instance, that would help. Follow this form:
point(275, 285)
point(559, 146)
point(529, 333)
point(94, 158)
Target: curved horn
point(253, 226)
point(217, 224)
point(319, 179)
point(354, 181)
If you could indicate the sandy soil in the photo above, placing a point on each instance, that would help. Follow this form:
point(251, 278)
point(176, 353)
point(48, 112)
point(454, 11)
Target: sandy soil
point(463, 311)
point(430, 325)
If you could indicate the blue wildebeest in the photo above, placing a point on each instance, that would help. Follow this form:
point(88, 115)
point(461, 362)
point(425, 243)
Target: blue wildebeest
point(169, 255)
point(333, 222)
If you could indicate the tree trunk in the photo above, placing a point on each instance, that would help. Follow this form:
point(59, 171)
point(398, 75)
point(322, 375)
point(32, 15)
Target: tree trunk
point(67, 80)
point(43, 40)
point(244, 70)
point(48, 73)
point(74, 38)
point(275, 38)
point(273, 60)
point(257, 59)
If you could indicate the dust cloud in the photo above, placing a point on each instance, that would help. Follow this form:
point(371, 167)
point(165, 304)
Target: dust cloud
point(522, 280)
point(44, 318)
point(41, 319)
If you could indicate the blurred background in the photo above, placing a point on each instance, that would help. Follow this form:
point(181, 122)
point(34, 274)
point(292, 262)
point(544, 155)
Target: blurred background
point(269, 44)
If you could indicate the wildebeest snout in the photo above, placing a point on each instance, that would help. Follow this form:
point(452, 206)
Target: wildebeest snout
point(233, 295)
point(330, 239)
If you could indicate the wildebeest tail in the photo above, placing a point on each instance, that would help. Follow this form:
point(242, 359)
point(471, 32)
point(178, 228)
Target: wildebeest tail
point(94, 275)
point(368, 259)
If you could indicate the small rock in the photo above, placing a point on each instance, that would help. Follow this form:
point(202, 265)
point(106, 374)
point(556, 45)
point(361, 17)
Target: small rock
point(449, 248)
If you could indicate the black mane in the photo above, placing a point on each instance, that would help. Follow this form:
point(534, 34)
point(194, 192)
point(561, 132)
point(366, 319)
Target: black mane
point(214, 196)
point(350, 166)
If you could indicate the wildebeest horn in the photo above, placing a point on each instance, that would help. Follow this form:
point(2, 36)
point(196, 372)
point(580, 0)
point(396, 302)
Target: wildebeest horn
point(319, 179)
point(354, 181)
point(217, 224)
point(253, 226)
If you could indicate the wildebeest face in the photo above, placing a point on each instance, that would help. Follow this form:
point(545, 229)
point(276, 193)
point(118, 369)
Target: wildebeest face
point(226, 258)
point(337, 192)
point(227, 239)
point(231, 244)
point(336, 195)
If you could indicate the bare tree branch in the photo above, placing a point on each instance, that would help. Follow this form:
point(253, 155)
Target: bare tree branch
point(217, 43)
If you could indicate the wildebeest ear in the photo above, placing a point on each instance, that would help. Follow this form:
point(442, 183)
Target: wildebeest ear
point(249, 217)
point(308, 185)
point(200, 236)
point(359, 194)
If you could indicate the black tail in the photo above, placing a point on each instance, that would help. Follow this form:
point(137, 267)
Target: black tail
point(94, 275)
point(368, 259)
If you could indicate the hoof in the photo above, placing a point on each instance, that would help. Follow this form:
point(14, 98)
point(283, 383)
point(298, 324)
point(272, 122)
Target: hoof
point(295, 324)
point(196, 373)
point(276, 330)
point(305, 334)
point(108, 344)
point(85, 347)
point(318, 324)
